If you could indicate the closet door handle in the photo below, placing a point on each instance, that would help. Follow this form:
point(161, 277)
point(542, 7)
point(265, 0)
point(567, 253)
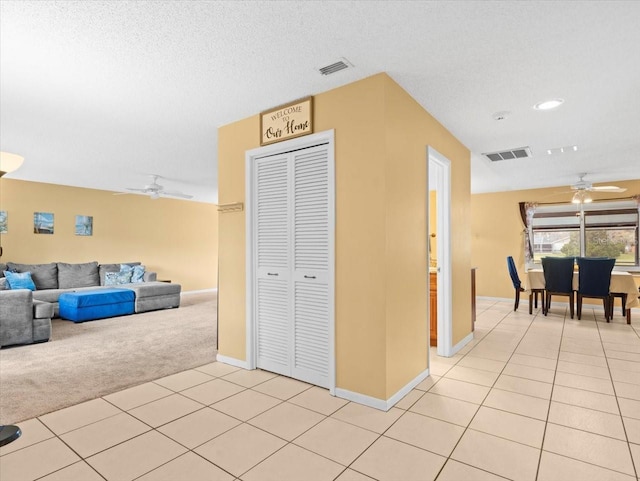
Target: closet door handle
point(309, 277)
point(272, 273)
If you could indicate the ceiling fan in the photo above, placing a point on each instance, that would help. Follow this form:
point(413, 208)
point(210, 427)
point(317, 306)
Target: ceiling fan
point(583, 187)
point(155, 190)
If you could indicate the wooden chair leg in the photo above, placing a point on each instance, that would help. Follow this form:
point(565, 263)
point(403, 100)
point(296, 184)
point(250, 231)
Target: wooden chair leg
point(624, 304)
point(571, 299)
point(530, 303)
point(515, 307)
point(547, 303)
point(579, 307)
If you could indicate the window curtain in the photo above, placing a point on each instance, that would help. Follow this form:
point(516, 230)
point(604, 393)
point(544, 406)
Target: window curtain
point(527, 210)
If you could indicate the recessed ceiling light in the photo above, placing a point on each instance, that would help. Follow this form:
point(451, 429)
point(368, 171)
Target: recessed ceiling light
point(563, 150)
point(548, 104)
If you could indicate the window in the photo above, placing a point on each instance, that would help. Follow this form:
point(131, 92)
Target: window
point(599, 229)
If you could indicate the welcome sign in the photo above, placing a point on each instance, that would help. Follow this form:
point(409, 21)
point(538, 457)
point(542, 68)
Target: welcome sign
point(287, 121)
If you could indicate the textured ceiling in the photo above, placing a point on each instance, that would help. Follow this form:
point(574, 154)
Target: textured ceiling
point(102, 94)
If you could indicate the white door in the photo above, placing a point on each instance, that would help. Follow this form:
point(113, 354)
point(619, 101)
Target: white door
point(311, 266)
point(273, 269)
point(292, 221)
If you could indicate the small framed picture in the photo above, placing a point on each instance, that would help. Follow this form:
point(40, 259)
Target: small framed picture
point(4, 224)
point(42, 223)
point(84, 225)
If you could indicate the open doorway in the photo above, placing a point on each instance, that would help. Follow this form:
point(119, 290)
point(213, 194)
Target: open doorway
point(439, 236)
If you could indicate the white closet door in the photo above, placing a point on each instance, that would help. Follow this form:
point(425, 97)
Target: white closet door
point(273, 270)
point(311, 266)
point(292, 251)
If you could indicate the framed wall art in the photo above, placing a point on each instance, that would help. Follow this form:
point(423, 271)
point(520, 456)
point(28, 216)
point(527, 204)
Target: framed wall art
point(42, 223)
point(84, 225)
point(4, 224)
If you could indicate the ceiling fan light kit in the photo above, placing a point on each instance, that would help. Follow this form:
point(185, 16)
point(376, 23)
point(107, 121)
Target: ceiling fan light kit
point(581, 197)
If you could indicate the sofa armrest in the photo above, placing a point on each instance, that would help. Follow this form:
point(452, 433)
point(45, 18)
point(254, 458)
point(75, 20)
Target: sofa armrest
point(149, 276)
point(16, 317)
point(14, 302)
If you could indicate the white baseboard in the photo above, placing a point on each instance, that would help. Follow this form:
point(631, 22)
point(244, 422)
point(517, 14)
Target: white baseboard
point(467, 339)
point(214, 290)
point(232, 361)
point(500, 299)
point(381, 404)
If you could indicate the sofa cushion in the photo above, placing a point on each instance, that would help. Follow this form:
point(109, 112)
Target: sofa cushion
point(49, 295)
point(78, 275)
point(45, 276)
point(20, 280)
point(3, 267)
point(42, 310)
point(104, 268)
point(3, 282)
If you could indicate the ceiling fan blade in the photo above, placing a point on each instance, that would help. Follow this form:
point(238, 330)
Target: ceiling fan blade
point(608, 188)
point(177, 194)
point(136, 190)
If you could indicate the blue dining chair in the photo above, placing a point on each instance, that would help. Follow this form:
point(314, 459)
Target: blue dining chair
point(594, 281)
point(517, 285)
point(558, 280)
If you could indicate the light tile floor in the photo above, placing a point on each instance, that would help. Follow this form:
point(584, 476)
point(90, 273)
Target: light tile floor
point(530, 398)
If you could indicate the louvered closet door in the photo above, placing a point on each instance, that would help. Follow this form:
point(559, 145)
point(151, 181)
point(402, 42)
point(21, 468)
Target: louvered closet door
point(311, 266)
point(293, 236)
point(273, 270)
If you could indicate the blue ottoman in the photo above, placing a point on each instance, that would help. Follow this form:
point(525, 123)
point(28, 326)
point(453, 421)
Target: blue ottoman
point(89, 305)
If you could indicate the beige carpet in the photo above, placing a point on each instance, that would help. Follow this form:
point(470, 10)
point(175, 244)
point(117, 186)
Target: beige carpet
point(88, 360)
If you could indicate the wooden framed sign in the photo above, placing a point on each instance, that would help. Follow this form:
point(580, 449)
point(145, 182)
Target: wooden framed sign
point(287, 121)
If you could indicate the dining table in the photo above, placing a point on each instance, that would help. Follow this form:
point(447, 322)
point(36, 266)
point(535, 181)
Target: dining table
point(621, 283)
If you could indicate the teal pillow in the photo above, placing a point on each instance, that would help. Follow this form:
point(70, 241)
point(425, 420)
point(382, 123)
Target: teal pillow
point(137, 274)
point(115, 278)
point(19, 280)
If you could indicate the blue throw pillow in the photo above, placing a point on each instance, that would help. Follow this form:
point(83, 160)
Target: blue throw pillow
point(19, 280)
point(126, 268)
point(115, 278)
point(137, 274)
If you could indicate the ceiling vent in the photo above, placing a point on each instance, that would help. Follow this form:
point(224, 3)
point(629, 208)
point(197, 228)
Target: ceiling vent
point(519, 153)
point(341, 64)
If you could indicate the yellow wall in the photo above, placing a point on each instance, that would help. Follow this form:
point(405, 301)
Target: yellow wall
point(175, 238)
point(381, 258)
point(410, 129)
point(497, 232)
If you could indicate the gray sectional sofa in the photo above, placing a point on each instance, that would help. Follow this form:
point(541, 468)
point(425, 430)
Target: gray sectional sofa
point(25, 316)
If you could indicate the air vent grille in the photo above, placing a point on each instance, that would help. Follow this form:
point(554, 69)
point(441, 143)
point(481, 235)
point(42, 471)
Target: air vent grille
point(518, 153)
point(335, 67)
